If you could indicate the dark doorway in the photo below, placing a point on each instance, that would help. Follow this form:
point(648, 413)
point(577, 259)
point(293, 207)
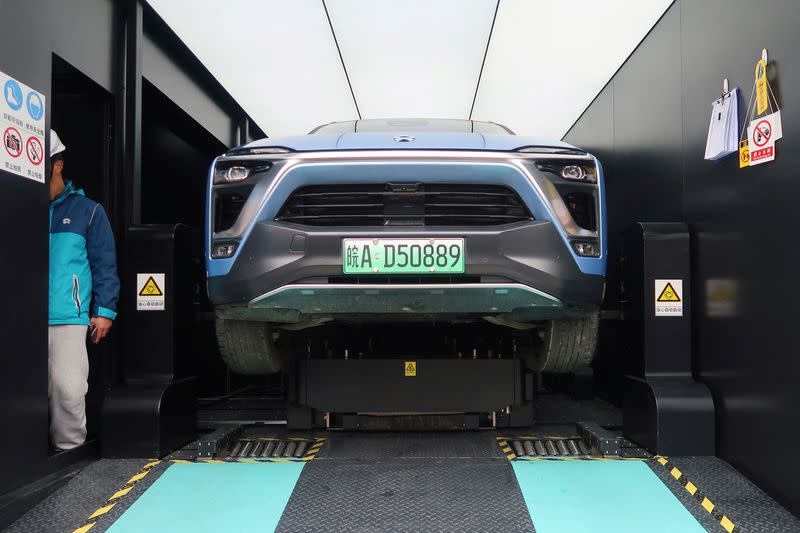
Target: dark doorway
point(176, 155)
point(82, 114)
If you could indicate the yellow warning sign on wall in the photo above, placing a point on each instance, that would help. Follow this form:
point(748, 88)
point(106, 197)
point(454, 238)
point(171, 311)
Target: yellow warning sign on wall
point(150, 291)
point(151, 288)
point(762, 100)
point(669, 294)
point(668, 297)
point(744, 154)
point(410, 368)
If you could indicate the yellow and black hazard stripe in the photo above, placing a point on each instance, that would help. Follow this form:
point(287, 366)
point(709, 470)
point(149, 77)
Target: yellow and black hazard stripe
point(314, 449)
point(691, 488)
point(511, 456)
point(503, 442)
point(116, 497)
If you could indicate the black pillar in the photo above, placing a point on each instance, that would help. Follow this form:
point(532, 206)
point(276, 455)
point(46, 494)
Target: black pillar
point(132, 164)
point(666, 410)
point(153, 411)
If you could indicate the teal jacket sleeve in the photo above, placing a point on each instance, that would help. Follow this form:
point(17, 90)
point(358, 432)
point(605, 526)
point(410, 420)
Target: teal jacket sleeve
point(103, 263)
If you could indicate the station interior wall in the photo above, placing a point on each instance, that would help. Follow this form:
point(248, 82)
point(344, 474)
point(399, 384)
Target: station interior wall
point(75, 55)
point(648, 126)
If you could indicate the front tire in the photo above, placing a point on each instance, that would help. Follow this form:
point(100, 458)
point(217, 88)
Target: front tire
point(248, 347)
point(565, 345)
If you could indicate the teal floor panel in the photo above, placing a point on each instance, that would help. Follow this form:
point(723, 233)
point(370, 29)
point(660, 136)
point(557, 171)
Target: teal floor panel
point(600, 496)
point(213, 497)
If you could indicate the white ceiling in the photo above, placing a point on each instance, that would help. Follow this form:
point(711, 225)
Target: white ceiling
point(548, 60)
point(416, 58)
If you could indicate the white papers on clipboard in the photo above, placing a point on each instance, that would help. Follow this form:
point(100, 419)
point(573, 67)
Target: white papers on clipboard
point(723, 130)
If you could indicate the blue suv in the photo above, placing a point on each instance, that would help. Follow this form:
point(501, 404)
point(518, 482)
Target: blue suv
point(391, 221)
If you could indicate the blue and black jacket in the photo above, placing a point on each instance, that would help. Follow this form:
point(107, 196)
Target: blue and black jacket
point(83, 263)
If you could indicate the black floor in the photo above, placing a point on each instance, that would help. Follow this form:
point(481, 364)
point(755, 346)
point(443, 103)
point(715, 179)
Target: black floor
point(423, 481)
point(414, 495)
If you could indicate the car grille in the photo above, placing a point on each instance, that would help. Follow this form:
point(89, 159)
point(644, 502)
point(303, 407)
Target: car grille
point(404, 204)
point(396, 279)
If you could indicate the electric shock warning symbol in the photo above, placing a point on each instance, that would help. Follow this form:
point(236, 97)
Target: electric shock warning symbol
point(668, 297)
point(150, 292)
point(410, 368)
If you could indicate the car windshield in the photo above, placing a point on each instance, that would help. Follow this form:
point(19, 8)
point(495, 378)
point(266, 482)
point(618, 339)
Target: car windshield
point(438, 125)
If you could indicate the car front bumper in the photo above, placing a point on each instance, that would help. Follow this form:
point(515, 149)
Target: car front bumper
point(283, 271)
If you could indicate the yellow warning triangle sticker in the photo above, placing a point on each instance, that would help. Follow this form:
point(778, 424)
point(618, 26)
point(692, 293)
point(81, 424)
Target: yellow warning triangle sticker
point(411, 367)
point(669, 294)
point(151, 288)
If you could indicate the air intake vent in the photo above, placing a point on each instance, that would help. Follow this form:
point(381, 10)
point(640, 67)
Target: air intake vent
point(228, 204)
point(404, 204)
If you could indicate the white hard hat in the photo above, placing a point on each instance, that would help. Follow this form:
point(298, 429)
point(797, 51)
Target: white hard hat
point(56, 146)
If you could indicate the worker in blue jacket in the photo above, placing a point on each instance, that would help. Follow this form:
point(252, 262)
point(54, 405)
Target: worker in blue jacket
point(84, 288)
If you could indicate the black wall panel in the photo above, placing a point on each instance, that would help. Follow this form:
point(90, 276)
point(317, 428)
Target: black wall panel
point(174, 77)
point(743, 221)
point(89, 36)
point(81, 31)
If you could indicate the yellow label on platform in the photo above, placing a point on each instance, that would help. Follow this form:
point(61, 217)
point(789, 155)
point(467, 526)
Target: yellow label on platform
point(410, 368)
point(744, 154)
point(762, 100)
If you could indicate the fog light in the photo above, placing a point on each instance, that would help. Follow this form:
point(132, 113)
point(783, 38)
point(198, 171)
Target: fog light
point(572, 172)
point(220, 251)
point(588, 249)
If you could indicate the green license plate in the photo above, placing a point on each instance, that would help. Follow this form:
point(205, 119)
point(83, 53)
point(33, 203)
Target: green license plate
point(403, 256)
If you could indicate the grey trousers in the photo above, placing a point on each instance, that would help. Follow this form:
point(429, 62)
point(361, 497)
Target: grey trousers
point(67, 385)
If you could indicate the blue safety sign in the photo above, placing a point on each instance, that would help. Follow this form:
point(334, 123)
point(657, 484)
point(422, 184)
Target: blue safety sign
point(22, 129)
point(35, 106)
point(12, 93)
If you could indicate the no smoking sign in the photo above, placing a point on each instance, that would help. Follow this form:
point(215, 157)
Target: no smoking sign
point(761, 137)
point(34, 150)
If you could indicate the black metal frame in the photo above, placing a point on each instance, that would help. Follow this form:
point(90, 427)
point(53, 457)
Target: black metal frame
point(666, 410)
point(154, 411)
point(352, 392)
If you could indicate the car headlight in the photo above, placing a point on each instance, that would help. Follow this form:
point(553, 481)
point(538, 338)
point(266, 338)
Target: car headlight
point(571, 188)
point(570, 169)
point(236, 171)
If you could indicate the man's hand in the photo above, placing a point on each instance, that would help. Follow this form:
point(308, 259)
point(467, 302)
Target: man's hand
point(100, 326)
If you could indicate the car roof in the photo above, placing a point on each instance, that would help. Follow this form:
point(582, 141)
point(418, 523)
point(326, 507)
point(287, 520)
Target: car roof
point(440, 125)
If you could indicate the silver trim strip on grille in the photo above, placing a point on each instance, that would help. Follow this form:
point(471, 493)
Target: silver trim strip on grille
point(405, 298)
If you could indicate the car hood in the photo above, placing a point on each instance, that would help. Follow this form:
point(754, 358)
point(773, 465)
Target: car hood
point(405, 140)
